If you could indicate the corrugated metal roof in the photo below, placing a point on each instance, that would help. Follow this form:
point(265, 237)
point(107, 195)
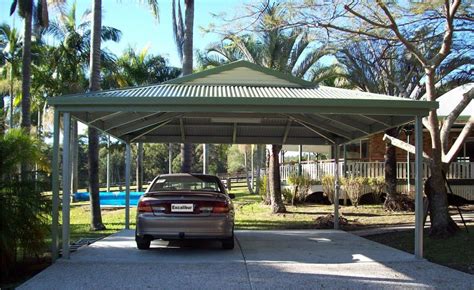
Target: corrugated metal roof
point(189, 109)
point(227, 91)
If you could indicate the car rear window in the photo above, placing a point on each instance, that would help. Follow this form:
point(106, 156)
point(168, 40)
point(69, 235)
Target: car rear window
point(186, 183)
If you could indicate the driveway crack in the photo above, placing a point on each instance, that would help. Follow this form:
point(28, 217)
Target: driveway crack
point(245, 263)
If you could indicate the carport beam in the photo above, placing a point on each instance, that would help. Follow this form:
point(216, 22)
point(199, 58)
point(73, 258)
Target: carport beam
point(418, 188)
point(127, 186)
point(336, 186)
point(66, 182)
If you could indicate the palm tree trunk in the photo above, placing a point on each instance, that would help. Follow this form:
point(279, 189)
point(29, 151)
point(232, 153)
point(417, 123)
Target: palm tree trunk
point(11, 95)
point(94, 85)
point(274, 181)
point(187, 148)
point(26, 72)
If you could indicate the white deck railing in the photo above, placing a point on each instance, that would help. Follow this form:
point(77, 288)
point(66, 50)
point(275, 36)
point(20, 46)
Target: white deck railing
point(457, 170)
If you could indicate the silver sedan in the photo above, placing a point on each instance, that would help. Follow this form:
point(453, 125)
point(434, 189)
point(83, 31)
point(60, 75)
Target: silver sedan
point(185, 206)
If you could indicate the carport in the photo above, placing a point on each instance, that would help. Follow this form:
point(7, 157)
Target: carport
point(238, 103)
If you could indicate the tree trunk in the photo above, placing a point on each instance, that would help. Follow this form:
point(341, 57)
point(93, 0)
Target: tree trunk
point(94, 85)
point(258, 165)
point(26, 73)
point(247, 176)
point(12, 98)
point(186, 157)
point(267, 200)
point(140, 167)
point(186, 148)
point(75, 156)
point(274, 181)
point(395, 201)
point(442, 225)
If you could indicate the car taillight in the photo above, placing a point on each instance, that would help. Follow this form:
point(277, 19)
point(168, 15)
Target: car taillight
point(220, 207)
point(144, 206)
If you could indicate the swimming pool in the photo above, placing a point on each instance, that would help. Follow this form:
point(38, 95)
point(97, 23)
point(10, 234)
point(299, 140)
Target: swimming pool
point(111, 198)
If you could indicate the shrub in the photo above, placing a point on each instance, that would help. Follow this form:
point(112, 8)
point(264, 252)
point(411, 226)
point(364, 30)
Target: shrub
point(327, 181)
point(378, 186)
point(287, 195)
point(263, 187)
point(24, 210)
point(353, 187)
point(302, 185)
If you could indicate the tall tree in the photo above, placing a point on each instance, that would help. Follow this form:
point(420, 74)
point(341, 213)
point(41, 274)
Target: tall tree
point(183, 35)
point(137, 69)
point(10, 55)
point(26, 10)
point(291, 51)
point(377, 66)
point(397, 23)
point(94, 85)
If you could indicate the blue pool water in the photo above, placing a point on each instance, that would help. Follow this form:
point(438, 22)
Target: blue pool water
point(111, 198)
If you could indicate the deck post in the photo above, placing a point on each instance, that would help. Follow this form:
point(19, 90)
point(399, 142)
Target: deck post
point(66, 182)
point(205, 158)
point(170, 158)
point(55, 189)
point(336, 186)
point(300, 158)
point(418, 188)
point(127, 186)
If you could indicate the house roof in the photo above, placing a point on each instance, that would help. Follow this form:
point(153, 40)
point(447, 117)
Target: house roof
point(239, 103)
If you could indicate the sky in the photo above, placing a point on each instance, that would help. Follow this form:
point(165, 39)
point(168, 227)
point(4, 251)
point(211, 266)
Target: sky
point(139, 27)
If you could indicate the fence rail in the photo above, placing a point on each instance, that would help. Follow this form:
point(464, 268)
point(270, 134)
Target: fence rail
point(457, 170)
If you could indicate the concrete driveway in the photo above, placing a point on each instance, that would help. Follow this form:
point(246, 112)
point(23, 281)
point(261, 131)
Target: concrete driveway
point(317, 259)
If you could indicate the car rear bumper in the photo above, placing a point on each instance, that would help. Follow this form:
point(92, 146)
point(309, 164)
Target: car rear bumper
point(182, 227)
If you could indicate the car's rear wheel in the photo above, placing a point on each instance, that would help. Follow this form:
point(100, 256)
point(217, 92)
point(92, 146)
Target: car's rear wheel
point(228, 244)
point(143, 243)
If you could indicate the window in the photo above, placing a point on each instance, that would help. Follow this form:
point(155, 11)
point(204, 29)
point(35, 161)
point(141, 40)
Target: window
point(186, 183)
point(356, 150)
point(466, 153)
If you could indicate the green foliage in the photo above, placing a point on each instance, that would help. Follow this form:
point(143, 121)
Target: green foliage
point(24, 210)
point(235, 160)
point(378, 185)
point(302, 185)
point(287, 195)
point(354, 188)
point(263, 186)
point(327, 182)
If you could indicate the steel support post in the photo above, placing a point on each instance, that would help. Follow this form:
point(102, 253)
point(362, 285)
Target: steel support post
point(127, 186)
point(66, 182)
point(418, 187)
point(108, 163)
point(55, 189)
point(336, 186)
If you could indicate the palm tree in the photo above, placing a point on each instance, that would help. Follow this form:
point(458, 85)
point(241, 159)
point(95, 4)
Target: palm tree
point(183, 35)
point(132, 69)
point(26, 10)
point(94, 85)
point(10, 55)
point(289, 51)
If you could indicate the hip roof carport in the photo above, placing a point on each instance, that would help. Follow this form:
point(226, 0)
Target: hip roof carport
point(235, 103)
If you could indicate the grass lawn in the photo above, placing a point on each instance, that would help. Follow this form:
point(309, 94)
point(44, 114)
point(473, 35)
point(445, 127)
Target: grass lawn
point(456, 252)
point(251, 214)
